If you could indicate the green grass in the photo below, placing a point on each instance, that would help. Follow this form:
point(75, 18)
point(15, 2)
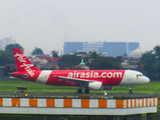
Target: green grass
point(10, 85)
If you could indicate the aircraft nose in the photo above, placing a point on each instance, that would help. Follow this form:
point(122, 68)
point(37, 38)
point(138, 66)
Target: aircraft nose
point(147, 80)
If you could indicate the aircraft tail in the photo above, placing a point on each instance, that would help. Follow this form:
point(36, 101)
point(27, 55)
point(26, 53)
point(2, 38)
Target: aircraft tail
point(23, 63)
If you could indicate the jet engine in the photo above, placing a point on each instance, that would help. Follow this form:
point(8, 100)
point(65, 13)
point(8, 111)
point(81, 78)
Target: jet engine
point(95, 85)
point(107, 88)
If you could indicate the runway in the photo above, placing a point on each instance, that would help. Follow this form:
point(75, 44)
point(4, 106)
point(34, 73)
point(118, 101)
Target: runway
point(48, 94)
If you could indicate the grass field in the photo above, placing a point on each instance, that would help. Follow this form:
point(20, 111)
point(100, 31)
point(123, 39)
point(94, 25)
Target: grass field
point(10, 85)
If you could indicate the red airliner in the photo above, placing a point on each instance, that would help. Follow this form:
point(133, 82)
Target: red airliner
point(89, 79)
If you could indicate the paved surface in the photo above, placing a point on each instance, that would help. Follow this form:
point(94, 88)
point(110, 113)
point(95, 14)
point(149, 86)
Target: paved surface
point(3, 94)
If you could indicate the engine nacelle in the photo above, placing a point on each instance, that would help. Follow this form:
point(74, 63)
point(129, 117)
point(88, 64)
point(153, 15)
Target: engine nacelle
point(95, 85)
point(107, 88)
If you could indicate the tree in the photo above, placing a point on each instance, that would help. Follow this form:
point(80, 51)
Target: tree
point(104, 63)
point(71, 60)
point(157, 50)
point(149, 62)
point(6, 58)
point(125, 55)
point(37, 51)
point(9, 48)
point(93, 55)
point(55, 54)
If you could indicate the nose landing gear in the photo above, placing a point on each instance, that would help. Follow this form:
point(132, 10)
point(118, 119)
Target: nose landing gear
point(130, 90)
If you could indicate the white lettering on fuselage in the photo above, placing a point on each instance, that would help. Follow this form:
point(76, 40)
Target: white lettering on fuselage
point(92, 74)
point(27, 67)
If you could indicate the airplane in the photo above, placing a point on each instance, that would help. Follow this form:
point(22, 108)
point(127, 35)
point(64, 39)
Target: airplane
point(89, 79)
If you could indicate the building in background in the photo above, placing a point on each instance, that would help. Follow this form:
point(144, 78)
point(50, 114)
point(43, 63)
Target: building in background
point(6, 41)
point(136, 54)
point(70, 47)
point(131, 46)
point(107, 48)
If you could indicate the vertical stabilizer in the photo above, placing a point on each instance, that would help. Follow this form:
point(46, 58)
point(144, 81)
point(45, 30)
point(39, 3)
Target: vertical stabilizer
point(23, 63)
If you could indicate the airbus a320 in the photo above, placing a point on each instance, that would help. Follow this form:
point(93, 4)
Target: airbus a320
point(89, 79)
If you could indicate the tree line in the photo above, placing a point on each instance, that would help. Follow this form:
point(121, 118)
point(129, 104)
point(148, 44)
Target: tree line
point(150, 60)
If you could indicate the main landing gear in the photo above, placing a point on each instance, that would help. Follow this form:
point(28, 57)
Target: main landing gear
point(86, 91)
point(130, 90)
point(79, 91)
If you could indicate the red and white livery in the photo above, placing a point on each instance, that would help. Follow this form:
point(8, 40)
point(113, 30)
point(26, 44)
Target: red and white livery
point(90, 79)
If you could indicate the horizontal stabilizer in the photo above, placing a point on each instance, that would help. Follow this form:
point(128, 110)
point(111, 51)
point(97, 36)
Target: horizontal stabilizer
point(21, 75)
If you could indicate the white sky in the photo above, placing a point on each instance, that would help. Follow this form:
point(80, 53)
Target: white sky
point(47, 24)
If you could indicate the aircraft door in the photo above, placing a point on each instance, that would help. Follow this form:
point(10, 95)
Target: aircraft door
point(127, 78)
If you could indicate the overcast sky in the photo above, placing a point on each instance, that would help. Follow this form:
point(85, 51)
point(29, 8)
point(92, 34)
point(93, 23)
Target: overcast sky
point(47, 24)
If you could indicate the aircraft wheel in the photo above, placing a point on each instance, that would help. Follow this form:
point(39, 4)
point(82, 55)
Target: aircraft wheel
point(79, 91)
point(86, 91)
point(130, 92)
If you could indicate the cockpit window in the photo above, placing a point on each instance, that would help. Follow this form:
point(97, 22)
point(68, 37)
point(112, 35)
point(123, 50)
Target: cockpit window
point(138, 75)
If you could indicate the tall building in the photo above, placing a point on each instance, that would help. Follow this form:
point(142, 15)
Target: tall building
point(70, 47)
point(113, 48)
point(131, 46)
point(108, 48)
point(1, 44)
point(6, 41)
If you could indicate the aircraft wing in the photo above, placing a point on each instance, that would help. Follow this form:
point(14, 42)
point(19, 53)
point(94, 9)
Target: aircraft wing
point(74, 80)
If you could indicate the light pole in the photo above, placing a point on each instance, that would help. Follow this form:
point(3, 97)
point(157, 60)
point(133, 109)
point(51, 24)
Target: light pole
point(157, 68)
